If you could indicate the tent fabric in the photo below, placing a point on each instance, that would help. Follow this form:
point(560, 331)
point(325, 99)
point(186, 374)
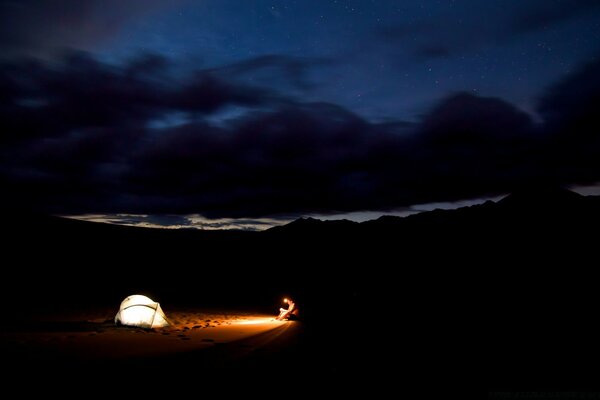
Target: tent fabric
point(141, 311)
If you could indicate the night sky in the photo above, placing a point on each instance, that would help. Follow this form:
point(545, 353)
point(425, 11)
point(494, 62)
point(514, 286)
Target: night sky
point(223, 113)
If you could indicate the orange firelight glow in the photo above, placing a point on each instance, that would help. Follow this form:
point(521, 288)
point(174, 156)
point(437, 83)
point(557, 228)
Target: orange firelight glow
point(255, 321)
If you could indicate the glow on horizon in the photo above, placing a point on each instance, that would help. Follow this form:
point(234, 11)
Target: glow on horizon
point(197, 221)
point(193, 221)
point(587, 190)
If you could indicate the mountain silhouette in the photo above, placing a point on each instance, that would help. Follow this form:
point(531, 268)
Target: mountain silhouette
point(542, 198)
point(540, 205)
point(313, 225)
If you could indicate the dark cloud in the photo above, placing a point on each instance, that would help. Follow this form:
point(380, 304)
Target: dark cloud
point(40, 27)
point(570, 109)
point(81, 137)
point(43, 101)
point(207, 93)
point(266, 68)
point(426, 40)
point(462, 118)
point(541, 14)
point(574, 101)
point(462, 31)
point(476, 144)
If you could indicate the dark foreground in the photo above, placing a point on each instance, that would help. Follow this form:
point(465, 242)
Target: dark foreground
point(494, 298)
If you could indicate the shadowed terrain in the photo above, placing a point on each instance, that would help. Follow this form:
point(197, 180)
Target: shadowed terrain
point(502, 294)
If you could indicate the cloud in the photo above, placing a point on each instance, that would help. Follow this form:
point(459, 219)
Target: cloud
point(570, 109)
point(266, 68)
point(81, 137)
point(460, 29)
point(574, 101)
point(425, 39)
point(542, 14)
point(183, 222)
point(476, 144)
point(43, 101)
point(40, 27)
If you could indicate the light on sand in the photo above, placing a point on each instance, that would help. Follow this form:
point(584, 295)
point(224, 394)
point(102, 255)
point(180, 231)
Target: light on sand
point(253, 321)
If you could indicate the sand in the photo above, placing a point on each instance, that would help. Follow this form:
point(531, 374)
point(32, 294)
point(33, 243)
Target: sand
point(93, 335)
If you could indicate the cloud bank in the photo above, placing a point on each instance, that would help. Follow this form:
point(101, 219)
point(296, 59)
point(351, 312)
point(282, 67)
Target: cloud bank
point(82, 136)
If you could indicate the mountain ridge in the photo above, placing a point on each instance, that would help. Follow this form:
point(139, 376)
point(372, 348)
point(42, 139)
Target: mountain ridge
point(523, 205)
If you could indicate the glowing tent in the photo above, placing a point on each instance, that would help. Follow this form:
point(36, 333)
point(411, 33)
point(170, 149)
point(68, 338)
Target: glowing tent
point(141, 311)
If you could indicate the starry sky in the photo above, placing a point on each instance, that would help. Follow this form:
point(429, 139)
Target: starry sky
point(276, 109)
point(384, 59)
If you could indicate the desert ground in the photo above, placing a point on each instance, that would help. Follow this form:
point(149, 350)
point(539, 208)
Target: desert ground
point(94, 336)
